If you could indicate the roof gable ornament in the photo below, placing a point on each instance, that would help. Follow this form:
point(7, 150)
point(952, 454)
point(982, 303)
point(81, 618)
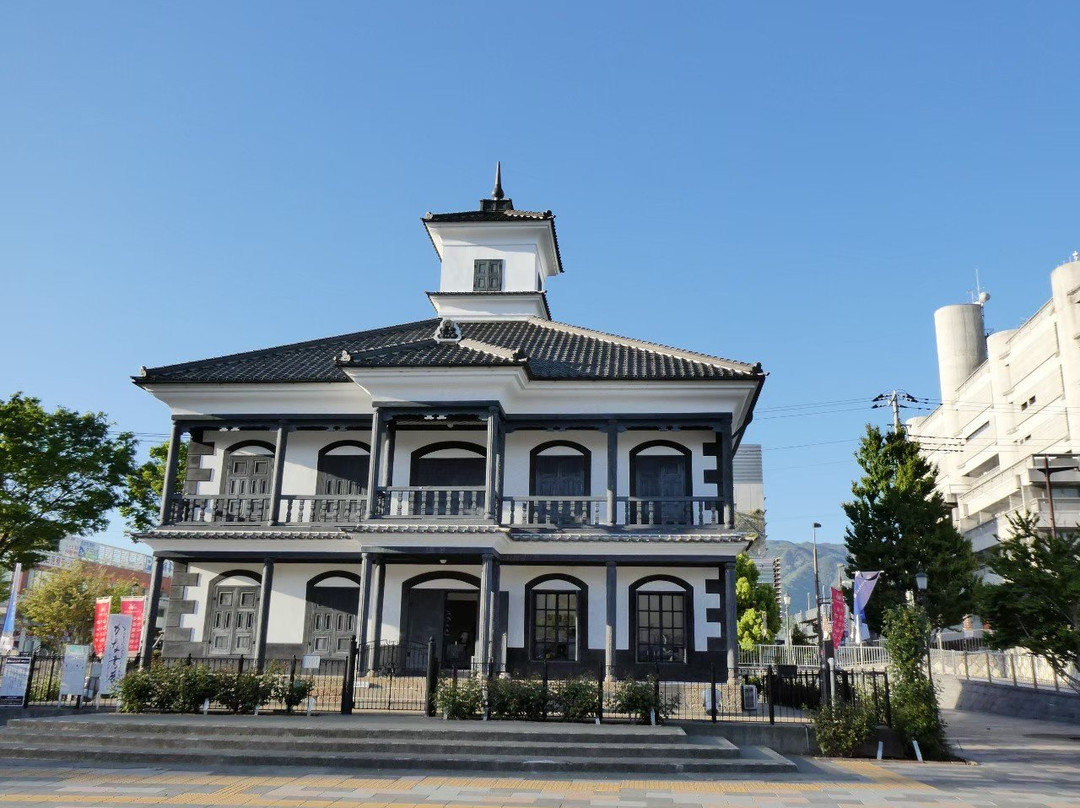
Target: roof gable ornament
point(448, 331)
point(498, 199)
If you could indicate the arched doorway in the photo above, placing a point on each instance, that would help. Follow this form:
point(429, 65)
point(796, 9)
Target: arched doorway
point(444, 605)
point(232, 618)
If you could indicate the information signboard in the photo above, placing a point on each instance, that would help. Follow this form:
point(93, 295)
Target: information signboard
point(14, 680)
point(114, 660)
point(73, 673)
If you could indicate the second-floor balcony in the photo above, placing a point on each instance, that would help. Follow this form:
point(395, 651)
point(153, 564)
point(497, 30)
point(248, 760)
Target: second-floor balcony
point(633, 474)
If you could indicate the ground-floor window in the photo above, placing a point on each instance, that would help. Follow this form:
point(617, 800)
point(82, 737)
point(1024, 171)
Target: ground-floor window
point(661, 627)
point(555, 625)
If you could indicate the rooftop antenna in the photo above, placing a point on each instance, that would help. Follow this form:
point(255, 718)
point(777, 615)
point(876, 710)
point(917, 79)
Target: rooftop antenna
point(980, 296)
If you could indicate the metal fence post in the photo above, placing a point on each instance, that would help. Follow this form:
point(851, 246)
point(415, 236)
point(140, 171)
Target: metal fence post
point(29, 680)
point(600, 692)
point(712, 693)
point(432, 678)
point(769, 683)
point(544, 690)
point(966, 675)
point(1012, 667)
point(656, 691)
point(240, 665)
point(888, 701)
point(348, 683)
point(1034, 673)
point(989, 670)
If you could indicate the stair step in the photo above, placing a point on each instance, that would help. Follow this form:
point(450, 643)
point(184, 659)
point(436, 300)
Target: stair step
point(389, 761)
point(712, 749)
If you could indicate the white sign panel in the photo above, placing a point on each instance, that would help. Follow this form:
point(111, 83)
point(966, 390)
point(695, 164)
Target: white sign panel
point(13, 681)
point(311, 662)
point(73, 674)
point(114, 660)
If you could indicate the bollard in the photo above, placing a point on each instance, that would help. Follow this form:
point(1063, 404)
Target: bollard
point(205, 706)
point(310, 705)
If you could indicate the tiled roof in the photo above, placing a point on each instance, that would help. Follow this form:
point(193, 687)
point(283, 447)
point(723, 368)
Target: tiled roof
point(546, 350)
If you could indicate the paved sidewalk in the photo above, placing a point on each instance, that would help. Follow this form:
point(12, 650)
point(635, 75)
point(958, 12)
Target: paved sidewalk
point(1025, 764)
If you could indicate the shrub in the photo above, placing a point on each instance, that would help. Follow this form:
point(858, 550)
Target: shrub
point(914, 699)
point(293, 693)
point(135, 691)
point(522, 699)
point(576, 699)
point(243, 692)
point(639, 700)
point(459, 699)
point(842, 727)
point(192, 685)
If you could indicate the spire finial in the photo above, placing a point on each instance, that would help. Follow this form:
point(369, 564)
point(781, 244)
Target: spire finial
point(497, 191)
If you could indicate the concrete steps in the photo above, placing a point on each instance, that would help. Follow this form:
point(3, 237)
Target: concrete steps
point(386, 745)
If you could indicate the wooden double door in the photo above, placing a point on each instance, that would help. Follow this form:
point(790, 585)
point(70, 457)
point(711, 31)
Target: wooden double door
point(450, 616)
point(234, 620)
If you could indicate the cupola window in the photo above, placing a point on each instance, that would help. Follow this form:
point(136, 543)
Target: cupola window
point(487, 275)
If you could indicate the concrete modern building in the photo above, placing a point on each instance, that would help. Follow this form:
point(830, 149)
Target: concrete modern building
point(1007, 400)
point(522, 490)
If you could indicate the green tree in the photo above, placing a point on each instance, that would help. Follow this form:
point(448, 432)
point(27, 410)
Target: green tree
point(915, 711)
point(757, 611)
point(60, 474)
point(142, 505)
point(60, 608)
point(901, 525)
point(1037, 604)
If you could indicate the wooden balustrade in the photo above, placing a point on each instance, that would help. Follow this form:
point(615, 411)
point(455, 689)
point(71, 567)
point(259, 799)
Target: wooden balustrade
point(294, 509)
point(681, 511)
point(556, 511)
point(395, 502)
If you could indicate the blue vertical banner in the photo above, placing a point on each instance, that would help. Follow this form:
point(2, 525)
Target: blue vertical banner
point(863, 588)
point(7, 634)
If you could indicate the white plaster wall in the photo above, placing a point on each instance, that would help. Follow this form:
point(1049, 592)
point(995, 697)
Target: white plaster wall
point(406, 442)
point(521, 266)
point(695, 576)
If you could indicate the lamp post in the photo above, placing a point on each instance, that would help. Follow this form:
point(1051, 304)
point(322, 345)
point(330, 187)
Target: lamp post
point(921, 581)
point(817, 602)
point(787, 618)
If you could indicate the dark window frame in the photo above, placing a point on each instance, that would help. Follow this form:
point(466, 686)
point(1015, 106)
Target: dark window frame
point(537, 451)
point(488, 275)
point(581, 629)
point(679, 587)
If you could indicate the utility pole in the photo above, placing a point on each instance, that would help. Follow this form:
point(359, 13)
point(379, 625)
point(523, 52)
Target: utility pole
point(892, 399)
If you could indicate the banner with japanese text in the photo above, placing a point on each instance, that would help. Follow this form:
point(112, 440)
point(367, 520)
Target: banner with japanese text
point(839, 617)
point(136, 607)
point(101, 621)
point(114, 660)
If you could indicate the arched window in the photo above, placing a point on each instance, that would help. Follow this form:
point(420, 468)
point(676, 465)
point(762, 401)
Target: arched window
point(660, 484)
point(341, 487)
point(559, 472)
point(555, 628)
point(246, 482)
point(333, 600)
point(661, 618)
point(233, 615)
point(459, 468)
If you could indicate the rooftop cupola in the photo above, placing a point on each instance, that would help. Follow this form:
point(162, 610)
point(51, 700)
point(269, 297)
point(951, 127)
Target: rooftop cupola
point(495, 260)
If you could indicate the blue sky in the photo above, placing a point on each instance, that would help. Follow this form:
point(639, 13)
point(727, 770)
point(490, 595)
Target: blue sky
point(792, 183)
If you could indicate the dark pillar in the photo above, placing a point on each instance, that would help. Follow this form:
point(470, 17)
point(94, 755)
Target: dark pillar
point(491, 477)
point(731, 640)
point(389, 438)
point(500, 468)
point(363, 612)
point(265, 589)
point(378, 426)
point(280, 443)
point(149, 630)
point(484, 621)
point(493, 614)
point(379, 576)
point(612, 469)
point(725, 462)
point(611, 591)
point(168, 488)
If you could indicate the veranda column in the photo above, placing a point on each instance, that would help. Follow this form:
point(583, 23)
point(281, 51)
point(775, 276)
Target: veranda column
point(483, 623)
point(149, 629)
point(378, 425)
point(612, 593)
point(378, 575)
point(265, 589)
point(726, 463)
point(612, 469)
point(280, 443)
point(363, 611)
point(171, 462)
point(493, 612)
point(491, 475)
point(731, 641)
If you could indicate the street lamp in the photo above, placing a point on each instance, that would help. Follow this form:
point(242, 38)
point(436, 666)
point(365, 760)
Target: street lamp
point(787, 618)
point(921, 581)
point(817, 603)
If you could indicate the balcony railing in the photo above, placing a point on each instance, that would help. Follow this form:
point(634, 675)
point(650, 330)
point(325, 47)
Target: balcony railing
point(435, 502)
point(556, 511)
point(431, 501)
point(294, 509)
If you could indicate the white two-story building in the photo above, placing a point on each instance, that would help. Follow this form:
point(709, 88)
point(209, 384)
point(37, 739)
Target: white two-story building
point(519, 489)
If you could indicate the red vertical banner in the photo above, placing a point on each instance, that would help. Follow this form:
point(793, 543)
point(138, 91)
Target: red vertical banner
point(136, 608)
point(101, 623)
point(839, 617)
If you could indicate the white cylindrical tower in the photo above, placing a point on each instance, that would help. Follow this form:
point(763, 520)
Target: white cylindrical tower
point(961, 344)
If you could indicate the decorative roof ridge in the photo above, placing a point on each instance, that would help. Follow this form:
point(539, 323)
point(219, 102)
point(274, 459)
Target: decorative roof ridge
point(290, 346)
point(348, 357)
point(513, 354)
point(654, 347)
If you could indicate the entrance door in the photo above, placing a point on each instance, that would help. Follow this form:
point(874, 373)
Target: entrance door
point(661, 477)
point(233, 619)
point(247, 488)
point(331, 621)
point(449, 615)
